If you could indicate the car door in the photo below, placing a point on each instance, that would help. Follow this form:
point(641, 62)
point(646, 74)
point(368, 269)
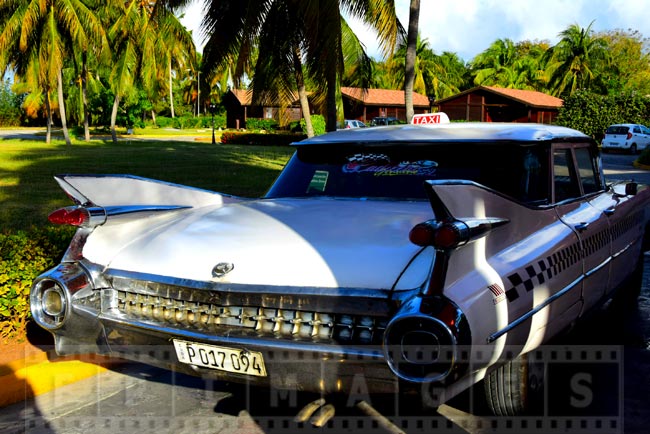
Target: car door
point(646, 137)
point(579, 207)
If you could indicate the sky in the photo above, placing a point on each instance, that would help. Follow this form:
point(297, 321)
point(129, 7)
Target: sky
point(468, 27)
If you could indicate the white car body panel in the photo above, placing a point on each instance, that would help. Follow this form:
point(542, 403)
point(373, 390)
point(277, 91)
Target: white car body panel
point(321, 245)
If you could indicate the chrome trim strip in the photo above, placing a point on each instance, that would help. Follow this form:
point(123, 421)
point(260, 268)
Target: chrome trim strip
point(248, 342)
point(383, 294)
point(625, 249)
point(121, 210)
point(598, 267)
point(496, 335)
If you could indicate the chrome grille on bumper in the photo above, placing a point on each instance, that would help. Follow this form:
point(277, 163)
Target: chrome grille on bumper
point(264, 321)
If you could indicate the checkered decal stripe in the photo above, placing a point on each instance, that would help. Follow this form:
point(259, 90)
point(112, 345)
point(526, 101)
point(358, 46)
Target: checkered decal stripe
point(537, 273)
point(626, 224)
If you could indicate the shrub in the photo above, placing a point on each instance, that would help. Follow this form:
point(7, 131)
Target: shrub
point(23, 256)
point(261, 124)
point(9, 106)
point(592, 113)
point(317, 123)
point(163, 121)
point(275, 139)
point(644, 158)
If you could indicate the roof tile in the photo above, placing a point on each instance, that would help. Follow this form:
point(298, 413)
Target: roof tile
point(383, 97)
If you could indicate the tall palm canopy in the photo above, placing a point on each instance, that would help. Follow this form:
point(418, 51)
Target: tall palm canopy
point(37, 35)
point(572, 61)
point(314, 29)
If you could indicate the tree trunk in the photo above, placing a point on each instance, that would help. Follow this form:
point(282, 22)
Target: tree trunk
point(116, 104)
point(331, 99)
point(302, 92)
point(409, 67)
point(84, 96)
point(48, 110)
point(171, 92)
point(153, 116)
point(64, 124)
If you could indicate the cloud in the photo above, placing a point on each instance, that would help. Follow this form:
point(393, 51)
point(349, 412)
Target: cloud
point(467, 27)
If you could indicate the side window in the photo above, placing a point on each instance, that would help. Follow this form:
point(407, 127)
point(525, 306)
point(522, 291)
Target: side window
point(587, 170)
point(564, 176)
point(637, 130)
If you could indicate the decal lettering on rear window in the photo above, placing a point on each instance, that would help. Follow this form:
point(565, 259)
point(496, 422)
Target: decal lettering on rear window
point(318, 181)
point(381, 165)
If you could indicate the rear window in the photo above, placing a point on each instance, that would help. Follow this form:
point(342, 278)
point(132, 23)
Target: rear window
point(399, 172)
point(617, 129)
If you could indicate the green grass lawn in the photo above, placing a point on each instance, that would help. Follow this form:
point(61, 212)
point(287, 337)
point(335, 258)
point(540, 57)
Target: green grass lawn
point(28, 192)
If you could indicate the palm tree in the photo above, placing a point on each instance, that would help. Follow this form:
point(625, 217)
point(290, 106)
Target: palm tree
point(572, 62)
point(495, 65)
point(409, 64)
point(234, 29)
point(447, 77)
point(175, 48)
point(423, 66)
point(43, 33)
point(145, 36)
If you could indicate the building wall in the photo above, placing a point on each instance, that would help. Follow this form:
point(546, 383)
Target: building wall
point(484, 106)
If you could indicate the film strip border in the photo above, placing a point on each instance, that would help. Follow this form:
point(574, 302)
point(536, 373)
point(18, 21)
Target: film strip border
point(366, 424)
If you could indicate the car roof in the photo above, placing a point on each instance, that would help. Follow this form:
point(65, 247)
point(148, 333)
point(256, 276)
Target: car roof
point(460, 131)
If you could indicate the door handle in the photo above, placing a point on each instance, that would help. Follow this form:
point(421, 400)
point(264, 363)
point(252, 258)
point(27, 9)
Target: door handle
point(610, 211)
point(582, 226)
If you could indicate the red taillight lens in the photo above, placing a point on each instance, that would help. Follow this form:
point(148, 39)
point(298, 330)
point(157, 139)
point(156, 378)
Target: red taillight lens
point(441, 236)
point(73, 216)
point(629, 136)
point(422, 234)
point(446, 237)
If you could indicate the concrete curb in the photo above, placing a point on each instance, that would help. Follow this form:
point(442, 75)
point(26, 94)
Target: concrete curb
point(37, 374)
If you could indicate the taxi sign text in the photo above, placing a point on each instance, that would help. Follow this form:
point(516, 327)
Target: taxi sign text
point(430, 118)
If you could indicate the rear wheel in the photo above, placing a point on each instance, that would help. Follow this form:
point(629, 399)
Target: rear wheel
point(515, 388)
point(633, 149)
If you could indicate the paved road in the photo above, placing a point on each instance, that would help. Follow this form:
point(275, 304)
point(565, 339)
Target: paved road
point(599, 378)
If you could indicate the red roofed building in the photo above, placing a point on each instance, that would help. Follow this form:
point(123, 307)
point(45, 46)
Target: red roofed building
point(370, 103)
point(239, 107)
point(497, 104)
point(357, 104)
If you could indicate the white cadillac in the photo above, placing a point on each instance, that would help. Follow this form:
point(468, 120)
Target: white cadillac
point(412, 256)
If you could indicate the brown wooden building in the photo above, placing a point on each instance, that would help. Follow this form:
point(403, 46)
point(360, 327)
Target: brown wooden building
point(365, 105)
point(496, 104)
point(239, 107)
point(357, 104)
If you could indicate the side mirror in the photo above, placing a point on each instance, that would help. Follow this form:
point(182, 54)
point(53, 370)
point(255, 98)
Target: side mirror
point(631, 188)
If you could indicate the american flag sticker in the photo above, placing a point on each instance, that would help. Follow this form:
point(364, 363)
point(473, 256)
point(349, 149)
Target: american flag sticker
point(498, 293)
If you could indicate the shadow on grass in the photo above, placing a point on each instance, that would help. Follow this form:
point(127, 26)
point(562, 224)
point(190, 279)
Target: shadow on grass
point(28, 191)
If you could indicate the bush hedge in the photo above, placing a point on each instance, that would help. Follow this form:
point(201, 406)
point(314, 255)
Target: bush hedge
point(260, 139)
point(318, 124)
point(261, 124)
point(23, 256)
point(189, 122)
point(592, 113)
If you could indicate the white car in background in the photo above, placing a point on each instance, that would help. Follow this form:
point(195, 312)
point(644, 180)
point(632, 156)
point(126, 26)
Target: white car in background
point(632, 138)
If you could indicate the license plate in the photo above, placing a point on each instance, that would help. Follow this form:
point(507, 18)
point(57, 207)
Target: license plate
point(221, 358)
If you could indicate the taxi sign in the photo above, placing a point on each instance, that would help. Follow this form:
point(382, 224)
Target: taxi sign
point(430, 118)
